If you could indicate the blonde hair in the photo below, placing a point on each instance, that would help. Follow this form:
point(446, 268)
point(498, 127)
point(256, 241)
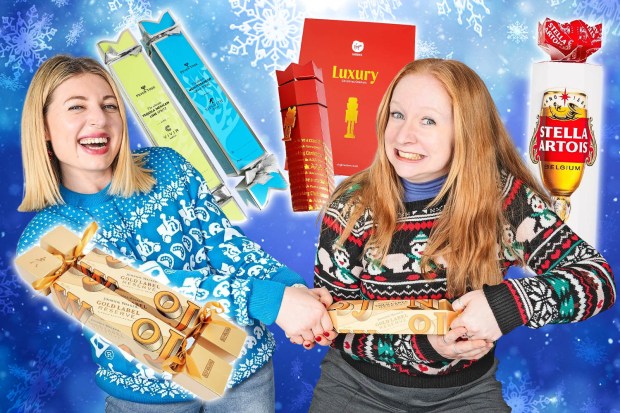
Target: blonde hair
point(467, 233)
point(42, 175)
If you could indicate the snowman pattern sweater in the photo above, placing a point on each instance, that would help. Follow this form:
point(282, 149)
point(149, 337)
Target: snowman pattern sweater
point(571, 282)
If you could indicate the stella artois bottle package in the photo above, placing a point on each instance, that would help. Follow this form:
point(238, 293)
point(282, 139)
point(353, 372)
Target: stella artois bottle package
point(392, 316)
point(564, 131)
point(358, 61)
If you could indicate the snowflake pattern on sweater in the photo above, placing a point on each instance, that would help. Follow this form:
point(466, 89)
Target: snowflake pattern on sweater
point(177, 234)
point(572, 281)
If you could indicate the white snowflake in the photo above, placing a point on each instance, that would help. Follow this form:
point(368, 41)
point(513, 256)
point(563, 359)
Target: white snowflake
point(517, 32)
point(522, 398)
point(426, 49)
point(170, 389)
point(378, 9)
point(76, 31)
point(554, 3)
point(272, 32)
point(60, 3)
point(606, 11)
point(137, 10)
point(474, 19)
point(24, 39)
point(143, 385)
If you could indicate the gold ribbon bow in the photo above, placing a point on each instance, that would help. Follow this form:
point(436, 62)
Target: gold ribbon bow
point(46, 282)
point(182, 360)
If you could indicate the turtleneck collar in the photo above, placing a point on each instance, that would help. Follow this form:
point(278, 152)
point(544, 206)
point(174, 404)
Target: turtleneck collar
point(421, 191)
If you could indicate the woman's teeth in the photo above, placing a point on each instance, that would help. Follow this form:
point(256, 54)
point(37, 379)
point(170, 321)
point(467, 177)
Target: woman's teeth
point(412, 156)
point(96, 142)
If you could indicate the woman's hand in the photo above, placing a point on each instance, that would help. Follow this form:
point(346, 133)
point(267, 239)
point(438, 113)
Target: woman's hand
point(303, 316)
point(477, 317)
point(455, 345)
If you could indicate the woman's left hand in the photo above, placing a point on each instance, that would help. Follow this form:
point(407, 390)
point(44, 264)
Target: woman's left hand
point(477, 317)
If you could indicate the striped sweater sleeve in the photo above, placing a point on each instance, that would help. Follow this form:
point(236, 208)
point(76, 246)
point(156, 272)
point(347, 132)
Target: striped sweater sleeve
point(571, 281)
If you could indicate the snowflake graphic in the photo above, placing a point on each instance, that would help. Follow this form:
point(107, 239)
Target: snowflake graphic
point(137, 10)
point(297, 368)
point(272, 31)
point(60, 3)
point(554, 3)
point(39, 382)
point(590, 406)
point(168, 388)
point(24, 39)
point(595, 11)
point(522, 398)
point(474, 19)
point(378, 9)
point(8, 288)
point(301, 401)
point(426, 49)
point(10, 83)
point(76, 31)
point(517, 32)
point(590, 352)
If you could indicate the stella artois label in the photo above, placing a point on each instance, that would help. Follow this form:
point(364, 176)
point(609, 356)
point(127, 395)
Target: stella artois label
point(563, 141)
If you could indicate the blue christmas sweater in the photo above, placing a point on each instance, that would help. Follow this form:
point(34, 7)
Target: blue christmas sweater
point(178, 234)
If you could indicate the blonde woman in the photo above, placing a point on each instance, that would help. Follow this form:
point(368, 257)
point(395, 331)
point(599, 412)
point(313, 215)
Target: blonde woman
point(446, 207)
point(153, 207)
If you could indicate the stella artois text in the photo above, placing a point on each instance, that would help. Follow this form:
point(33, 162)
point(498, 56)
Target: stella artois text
point(563, 144)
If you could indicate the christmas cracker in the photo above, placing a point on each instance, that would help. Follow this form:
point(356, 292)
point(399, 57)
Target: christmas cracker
point(219, 122)
point(306, 135)
point(96, 300)
point(392, 316)
point(159, 116)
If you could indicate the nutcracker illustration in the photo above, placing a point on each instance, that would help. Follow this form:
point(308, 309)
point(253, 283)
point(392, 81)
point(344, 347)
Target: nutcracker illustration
point(351, 117)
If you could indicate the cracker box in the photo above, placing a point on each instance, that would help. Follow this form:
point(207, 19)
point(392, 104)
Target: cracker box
point(306, 135)
point(358, 60)
point(392, 316)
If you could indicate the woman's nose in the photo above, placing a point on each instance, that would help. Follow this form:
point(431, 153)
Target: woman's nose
point(97, 117)
point(408, 133)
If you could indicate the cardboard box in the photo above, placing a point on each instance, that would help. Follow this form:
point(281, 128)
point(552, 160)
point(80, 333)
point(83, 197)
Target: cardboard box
point(392, 316)
point(161, 119)
point(215, 116)
point(306, 135)
point(359, 60)
point(134, 312)
point(173, 308)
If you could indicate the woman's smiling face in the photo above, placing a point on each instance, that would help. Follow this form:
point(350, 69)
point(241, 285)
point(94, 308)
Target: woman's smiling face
point(84, 126)
point(419, 136)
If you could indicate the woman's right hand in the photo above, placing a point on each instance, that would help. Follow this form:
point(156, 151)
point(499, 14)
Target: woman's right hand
point(450, 347)
point(303, 316)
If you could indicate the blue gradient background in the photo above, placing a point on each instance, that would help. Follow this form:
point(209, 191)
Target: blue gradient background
point(45, 364)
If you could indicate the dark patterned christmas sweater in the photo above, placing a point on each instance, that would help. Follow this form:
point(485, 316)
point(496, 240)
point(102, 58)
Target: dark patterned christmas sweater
point(571, 282)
